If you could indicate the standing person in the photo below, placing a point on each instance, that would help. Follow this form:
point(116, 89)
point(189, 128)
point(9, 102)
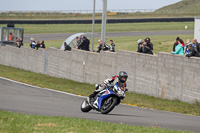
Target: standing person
point(178, 49)
point(42, 45)
point(149, 44)
point(112, 46)
point(21, 42)
point(80, 40)
point(37, 45)
point(196, 45)
point(102, 46)
point(84, 45)
point(10, 37)
point(175, 44)
point(33, 43)
point(139, 45)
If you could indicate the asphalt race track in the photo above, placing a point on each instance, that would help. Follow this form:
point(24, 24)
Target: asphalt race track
point(57, 36)
point(22, 98)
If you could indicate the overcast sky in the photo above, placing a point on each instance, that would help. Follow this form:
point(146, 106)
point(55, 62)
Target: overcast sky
point(81, 4)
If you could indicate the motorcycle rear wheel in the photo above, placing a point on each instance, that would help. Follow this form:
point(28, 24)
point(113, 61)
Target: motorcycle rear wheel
point(107, 107)
point(85, 107)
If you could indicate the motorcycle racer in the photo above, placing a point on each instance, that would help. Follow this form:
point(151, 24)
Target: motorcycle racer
point(122, 77)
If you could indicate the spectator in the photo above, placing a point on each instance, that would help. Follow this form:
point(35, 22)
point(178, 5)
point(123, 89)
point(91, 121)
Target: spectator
point(15, 43)
point(196, 45)
point(112, 46)
point(186, 50)
point(139, 45)
point(76, 46)
point(42, 45)
point(67, 47)
point(18, 44)
point(21, 42)
point(10, 37)
point(178, 49)
point(33, 43)
point(146, 49)
point(193, 51)
point(80, 40)
point(182, 43)
point(84, 45)
point(102, 46)
point(175, 44)
point(37, 46)
point(149, 44)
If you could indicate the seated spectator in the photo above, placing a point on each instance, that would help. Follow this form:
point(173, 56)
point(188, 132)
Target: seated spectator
point(10, 37)
point(186, 50)
point(182, 43)
point(67, 47)
point(145, 48)
point(196, 45)
point(193, 51)
point(102, 46)
point(21, 42)
point(112, 46)
point(149, 44)
point(17, 44)
point(175, 44)
point(139, 45)
point(178, 49)
point(33, 43)
point(84, 44)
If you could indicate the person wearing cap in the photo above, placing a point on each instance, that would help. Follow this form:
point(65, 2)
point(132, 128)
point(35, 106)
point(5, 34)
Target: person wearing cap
point(139, 45)
point(193, 51)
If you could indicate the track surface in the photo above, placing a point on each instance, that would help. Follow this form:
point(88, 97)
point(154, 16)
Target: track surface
point(32, 100)
point(57, 36)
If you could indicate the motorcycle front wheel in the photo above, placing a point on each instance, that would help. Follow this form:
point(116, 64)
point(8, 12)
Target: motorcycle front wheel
point(108, 105)
point(85, 107)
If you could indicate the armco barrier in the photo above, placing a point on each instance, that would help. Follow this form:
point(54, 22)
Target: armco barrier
point(97, 21)
point(167, 76)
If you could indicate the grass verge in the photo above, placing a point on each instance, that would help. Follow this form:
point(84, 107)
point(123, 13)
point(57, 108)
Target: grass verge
point(19, 123)
point(86, 89)
point(119, 27)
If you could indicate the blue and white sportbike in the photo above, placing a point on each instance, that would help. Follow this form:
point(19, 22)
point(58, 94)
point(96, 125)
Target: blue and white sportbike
point(105, 100)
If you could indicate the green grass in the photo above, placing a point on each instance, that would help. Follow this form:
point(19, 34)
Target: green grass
point(86, 89)
point(120, 27)
point(19, 123)
point(184, 6)
point(161, 43)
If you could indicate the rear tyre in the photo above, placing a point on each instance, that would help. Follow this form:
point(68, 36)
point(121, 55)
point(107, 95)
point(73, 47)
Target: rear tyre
point(85, 107)
point(108, 105)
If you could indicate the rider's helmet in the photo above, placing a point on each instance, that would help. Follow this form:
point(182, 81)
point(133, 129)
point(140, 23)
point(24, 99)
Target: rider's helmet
point(123, 76)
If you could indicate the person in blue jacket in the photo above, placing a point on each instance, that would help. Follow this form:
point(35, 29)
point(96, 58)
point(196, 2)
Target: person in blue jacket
point(178, 49)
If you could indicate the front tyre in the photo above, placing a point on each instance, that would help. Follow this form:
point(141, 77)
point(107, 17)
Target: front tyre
point(108, 105)
point(85, 107)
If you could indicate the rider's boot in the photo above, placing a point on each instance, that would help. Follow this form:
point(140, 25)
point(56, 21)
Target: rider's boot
point(94, 93)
